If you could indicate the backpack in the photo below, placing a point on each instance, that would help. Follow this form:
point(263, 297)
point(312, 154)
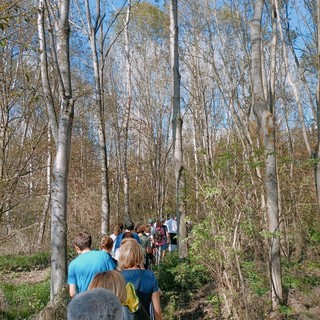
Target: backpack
point(158, 236)
point(133, 308)
point(139, 314)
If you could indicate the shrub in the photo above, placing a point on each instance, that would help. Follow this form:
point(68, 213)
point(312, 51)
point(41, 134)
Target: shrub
point(179, 275)
point(256, 277)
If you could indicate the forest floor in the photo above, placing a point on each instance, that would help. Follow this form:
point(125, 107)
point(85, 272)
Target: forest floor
point(26, 277)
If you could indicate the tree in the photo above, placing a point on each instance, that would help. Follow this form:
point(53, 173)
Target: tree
point(177, 129)
point(98, 63)
point(22, 125)
point(61, 126)
point(266, 124)
point(317, 149)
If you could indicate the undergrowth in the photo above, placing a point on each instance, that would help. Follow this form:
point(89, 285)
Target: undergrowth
point(23, 300)
point(178, 280)
point(39, 260)
point(302, 276)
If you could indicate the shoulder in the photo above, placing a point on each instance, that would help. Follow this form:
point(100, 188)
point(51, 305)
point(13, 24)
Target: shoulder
point(149, 273)
point(148, 276)
point(129, 275)
point(149, 280)
point(98, 255)
point(119, 237)
point(135, 236)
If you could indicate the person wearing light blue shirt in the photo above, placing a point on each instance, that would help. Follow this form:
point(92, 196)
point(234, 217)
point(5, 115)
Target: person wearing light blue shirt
point(89, 262)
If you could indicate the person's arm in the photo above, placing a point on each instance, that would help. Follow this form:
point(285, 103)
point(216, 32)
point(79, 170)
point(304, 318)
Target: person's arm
point(156, 305)
point(72, 280)
point(72, 290)
point(167, 235)
point(135, 235)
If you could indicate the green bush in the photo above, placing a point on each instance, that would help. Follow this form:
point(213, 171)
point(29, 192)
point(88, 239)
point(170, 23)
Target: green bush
point(256, 278)
point(178, 280)
point(294, 278)
point(177, 275)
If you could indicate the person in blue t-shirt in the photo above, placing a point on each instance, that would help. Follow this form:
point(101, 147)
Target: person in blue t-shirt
point(82, 269)
point(131, 264)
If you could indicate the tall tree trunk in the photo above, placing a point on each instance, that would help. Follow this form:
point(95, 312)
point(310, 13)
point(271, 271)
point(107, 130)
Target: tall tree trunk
point(46, 205)
point(98, 94)
point(127, 117)
point(61, 133)
point(317, 156)
point(266, 125)
point(177, 130)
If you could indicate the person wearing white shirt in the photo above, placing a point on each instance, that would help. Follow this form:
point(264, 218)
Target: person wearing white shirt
point(172, 230)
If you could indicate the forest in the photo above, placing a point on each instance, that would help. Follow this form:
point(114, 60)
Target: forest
point(133, 109)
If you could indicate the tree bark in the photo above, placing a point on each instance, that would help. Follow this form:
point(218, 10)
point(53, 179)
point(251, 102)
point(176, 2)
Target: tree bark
point(316, 156)
point(46, 205)
point(266, 125)
point(177, 130)
point(126, 193)
point(98, 96)
point(62, 134)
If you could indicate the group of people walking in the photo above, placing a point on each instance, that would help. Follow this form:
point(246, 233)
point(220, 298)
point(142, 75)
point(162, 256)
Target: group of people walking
point(116, 282)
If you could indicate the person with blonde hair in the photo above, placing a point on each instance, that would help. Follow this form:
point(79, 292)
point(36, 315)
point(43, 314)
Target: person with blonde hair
point(131, 264)
point(112, 280)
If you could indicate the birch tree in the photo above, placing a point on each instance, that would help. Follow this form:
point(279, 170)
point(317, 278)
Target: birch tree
point(61, 126)
point(127, 114)
point(177, 129)
point(266, 124)
point(317, 155)
point(97, 61)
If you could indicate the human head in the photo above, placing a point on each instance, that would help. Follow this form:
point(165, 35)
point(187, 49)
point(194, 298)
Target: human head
point(117, 229)
point(98, 303)
point(112, 280)
point(140, 228)
point(127, 234)
point(150, 221)
point(147, 229)
point(83, 240)
point(129, 225)
point(158, 223)
point(106, 243)
point(130, 254)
